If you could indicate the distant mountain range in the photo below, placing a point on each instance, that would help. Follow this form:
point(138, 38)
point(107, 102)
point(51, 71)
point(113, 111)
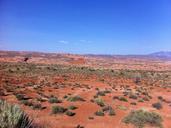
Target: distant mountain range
point(162, 54)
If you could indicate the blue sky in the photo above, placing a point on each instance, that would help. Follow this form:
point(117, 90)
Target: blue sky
point(86, 26)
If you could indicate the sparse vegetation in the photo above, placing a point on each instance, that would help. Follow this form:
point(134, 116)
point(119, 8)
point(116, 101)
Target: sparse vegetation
point(99, 113)
point(123, 99)
point(75, 98)
point(58, 109)
point(72, 107)
point(100, 102)
point(54, 100)
point(41, 86)
point(69, 113)
point(140, 118)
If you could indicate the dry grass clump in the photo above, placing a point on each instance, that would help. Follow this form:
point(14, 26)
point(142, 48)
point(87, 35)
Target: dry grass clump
point(140, 118)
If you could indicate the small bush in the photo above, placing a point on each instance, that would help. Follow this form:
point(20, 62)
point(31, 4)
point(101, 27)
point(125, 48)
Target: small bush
point(100, 93)
point(140, 118)
point(37, 106)
point(27, 103)
point(54, 100)
point(100, 102)
point(112, 112)
point(122, 107)
point(20, 96)
point(65, 96)
point(58, 109)
point(140, 100)
point(11, 116)
point(106, 108)
point(72, 107)
point(99, 113)
point(133, 103)
point(123, 99)
point(69, 113)
point(75, 98)
point(133, 96)
point(157, 105)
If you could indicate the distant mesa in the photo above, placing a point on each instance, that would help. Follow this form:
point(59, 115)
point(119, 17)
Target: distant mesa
point(162, 54)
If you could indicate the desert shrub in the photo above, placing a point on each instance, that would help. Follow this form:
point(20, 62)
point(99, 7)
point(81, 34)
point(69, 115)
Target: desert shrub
point(37, 106)
point(69, 113)
point(137, 78)
point(27, 103)
point(106, 108)
point(157, 105)
point(11, 116)
point(20, 96)
point(133, 96)
point(75, 98)
point(140, 118)
point(100, 93)
point(58, 109)
point(100, 102)
point(140, 100)
point(72, 107)
point(99, 113)
point(107, 91)
point(112, 112)
point(122, 107)
point(123, 99)
point(133, 103)
point(54, 100)
point(65, 96)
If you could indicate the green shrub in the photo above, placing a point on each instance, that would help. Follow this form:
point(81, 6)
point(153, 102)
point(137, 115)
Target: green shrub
point(72, 107)
point(58, 109)
point(65, 96)
point(11, 116)
point(122, 107)
point(100, 102)
point(123, 99)
point(69, 113)
point(133, 96)
point(99, 113)
point(54, 100)
point(112, 112)
point(140, 100)
point(27, 103)
point(140, 118)
point(20, 96)
point(37, 106)
point(75, 98)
